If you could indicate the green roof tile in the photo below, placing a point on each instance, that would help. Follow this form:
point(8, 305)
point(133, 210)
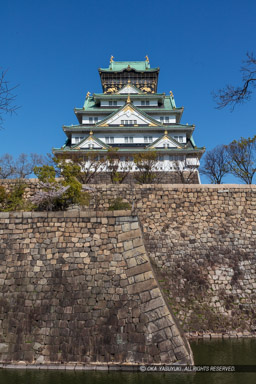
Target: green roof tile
point(119, 66)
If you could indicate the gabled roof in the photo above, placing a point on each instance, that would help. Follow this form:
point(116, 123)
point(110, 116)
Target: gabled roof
point(166, 140)
point(92, 140)
point(120, 66)
point(127, 109)
point(129, 88)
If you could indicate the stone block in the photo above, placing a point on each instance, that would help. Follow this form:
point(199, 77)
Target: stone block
point(4, 347)
point(142, 286)
point(138, 269)
point(129, 235)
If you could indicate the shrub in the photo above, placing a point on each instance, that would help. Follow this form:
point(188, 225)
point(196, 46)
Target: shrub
point(13, 200)
point(59, 195)
point(119, 204)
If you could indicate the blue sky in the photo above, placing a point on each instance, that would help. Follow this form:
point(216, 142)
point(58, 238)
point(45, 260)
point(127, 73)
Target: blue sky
point(53, 50)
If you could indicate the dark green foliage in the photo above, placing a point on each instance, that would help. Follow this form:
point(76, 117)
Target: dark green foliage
point(13, 200)
point(119, 204)
point(46, 173)
point(74, 194)
point(54, 196)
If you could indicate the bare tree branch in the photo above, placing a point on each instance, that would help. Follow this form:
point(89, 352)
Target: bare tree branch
point(230, 95)
point(215, 164)
point(186, 173)
point(242, 158)
point(7, 97)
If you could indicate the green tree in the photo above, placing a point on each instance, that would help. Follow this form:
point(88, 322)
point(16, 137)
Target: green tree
point(55, 197)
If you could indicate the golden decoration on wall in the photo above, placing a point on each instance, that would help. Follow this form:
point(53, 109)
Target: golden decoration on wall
point(146, 89)
point(111, 90)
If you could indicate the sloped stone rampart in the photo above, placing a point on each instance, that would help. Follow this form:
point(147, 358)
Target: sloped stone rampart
point(201, 240)
point(78, 287)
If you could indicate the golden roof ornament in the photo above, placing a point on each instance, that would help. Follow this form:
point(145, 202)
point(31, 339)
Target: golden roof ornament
point(165, 132)
point(128, 99)
point(171, 94)
point(88, 94)
point(91, 133)
point(111, 59)
point(147, 59)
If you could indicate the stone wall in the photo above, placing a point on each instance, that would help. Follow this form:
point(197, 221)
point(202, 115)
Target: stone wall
point(78, 287)
point(160, 177)
point(202, 243)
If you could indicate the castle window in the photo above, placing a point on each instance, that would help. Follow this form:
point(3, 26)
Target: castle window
point(111, 140)
point(128, 122)
point(93, 120)
point(166, 119)
point(107, 139)
point(126, 139)
point(147, 102)
point(111, 102)
point(162, 119)
point(131, 139)
point(143, 102)
point(148, 139)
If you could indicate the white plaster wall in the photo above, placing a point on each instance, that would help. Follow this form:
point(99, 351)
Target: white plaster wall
point(105, 103)
point(172, 118)
point(152, 103)
point(119, 138)
point(180, 137)
point(79, 136)
point(85, 118)
point(165, 163)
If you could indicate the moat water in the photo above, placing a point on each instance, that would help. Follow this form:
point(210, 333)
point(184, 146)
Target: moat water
point(213, 352)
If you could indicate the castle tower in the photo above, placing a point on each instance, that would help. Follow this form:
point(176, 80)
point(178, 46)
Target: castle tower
point(132, 117)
